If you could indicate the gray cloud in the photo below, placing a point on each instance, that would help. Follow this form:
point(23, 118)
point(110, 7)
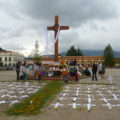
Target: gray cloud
point(74, 12)
point(103, 29)
point(69, 39)
point(24, 21)
point(13, 46)
point(93, 26)
point(90, 41)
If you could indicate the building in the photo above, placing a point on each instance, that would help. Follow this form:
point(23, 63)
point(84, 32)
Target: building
point(117, 62)
point(83, 60)
point(10, 58)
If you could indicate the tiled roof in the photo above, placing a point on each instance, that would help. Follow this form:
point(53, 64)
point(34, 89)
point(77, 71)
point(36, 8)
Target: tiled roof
point(6, 52)
point(76, 57)
point(10, 52)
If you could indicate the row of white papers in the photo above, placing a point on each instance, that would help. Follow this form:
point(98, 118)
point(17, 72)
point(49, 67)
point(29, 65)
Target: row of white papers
point(88, 106)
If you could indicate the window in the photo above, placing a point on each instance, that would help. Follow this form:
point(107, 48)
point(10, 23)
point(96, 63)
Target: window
point(5, 58)
point(9, 58)
point(14, 58)
point(0, 58)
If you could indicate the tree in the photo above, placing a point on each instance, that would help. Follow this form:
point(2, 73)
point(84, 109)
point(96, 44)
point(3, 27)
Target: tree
point(1, 49)
point(79, 53)
point(74, 52)
point(36, 54)
point(36, 57)
point(109, 56)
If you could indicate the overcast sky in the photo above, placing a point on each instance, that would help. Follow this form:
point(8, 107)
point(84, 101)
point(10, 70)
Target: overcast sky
point(93, 24)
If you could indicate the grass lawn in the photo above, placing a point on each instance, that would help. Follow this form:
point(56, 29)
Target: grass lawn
point(36, 101)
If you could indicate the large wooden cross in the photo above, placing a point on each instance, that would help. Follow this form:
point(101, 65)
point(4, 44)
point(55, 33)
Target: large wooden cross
point(55, 29)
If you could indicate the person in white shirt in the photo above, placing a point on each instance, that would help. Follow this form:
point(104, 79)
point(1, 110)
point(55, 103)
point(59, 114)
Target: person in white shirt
point(23, 72)
point(100, 70)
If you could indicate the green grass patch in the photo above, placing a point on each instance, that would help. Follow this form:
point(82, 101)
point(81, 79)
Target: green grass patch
point(35, 103)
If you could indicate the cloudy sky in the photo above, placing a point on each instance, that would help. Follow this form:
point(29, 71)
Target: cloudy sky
point(93, 24)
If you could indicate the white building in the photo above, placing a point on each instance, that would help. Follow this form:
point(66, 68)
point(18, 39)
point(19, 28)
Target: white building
point(9, 57)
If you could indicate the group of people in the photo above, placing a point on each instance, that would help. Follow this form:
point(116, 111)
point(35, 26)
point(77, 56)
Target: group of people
point(98, 71)
point(76, 70)
point(24, 71)
point(21, 71)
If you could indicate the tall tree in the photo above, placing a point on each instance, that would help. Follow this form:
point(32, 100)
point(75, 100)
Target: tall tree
point(79, 53)
point(74, 52)
point(37, 58)
point(109, 56)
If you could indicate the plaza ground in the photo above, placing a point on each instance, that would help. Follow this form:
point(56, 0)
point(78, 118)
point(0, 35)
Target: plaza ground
point(66, 112)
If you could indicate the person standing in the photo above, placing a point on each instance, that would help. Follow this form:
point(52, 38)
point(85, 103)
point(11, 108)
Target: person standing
point(103, 70)
point(23, 71)
point(76, 75)
point(94, 72)
point(71, 62)
point(87, 72)
point(18, 70)
point(100, 70)
point(74, 62)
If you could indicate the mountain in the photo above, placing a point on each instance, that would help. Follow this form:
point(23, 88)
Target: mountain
point(94, 53)
point(117, 54)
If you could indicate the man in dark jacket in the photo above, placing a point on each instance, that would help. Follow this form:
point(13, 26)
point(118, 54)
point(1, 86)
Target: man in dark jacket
point(18, 70)
point(94, 72)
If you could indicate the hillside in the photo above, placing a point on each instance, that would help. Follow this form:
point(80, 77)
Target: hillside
point(94, 53)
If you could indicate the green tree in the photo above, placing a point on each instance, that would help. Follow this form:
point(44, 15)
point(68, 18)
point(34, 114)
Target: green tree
point(1, 49)
point(74, 52)
point(109, 56)
point(79, 53)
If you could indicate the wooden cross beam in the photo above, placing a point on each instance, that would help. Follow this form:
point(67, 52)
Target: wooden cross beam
point(55, 29)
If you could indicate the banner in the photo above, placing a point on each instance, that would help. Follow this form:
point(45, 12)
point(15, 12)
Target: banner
point(48, 41)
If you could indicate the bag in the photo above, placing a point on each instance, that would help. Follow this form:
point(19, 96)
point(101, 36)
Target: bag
point(73, 69)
